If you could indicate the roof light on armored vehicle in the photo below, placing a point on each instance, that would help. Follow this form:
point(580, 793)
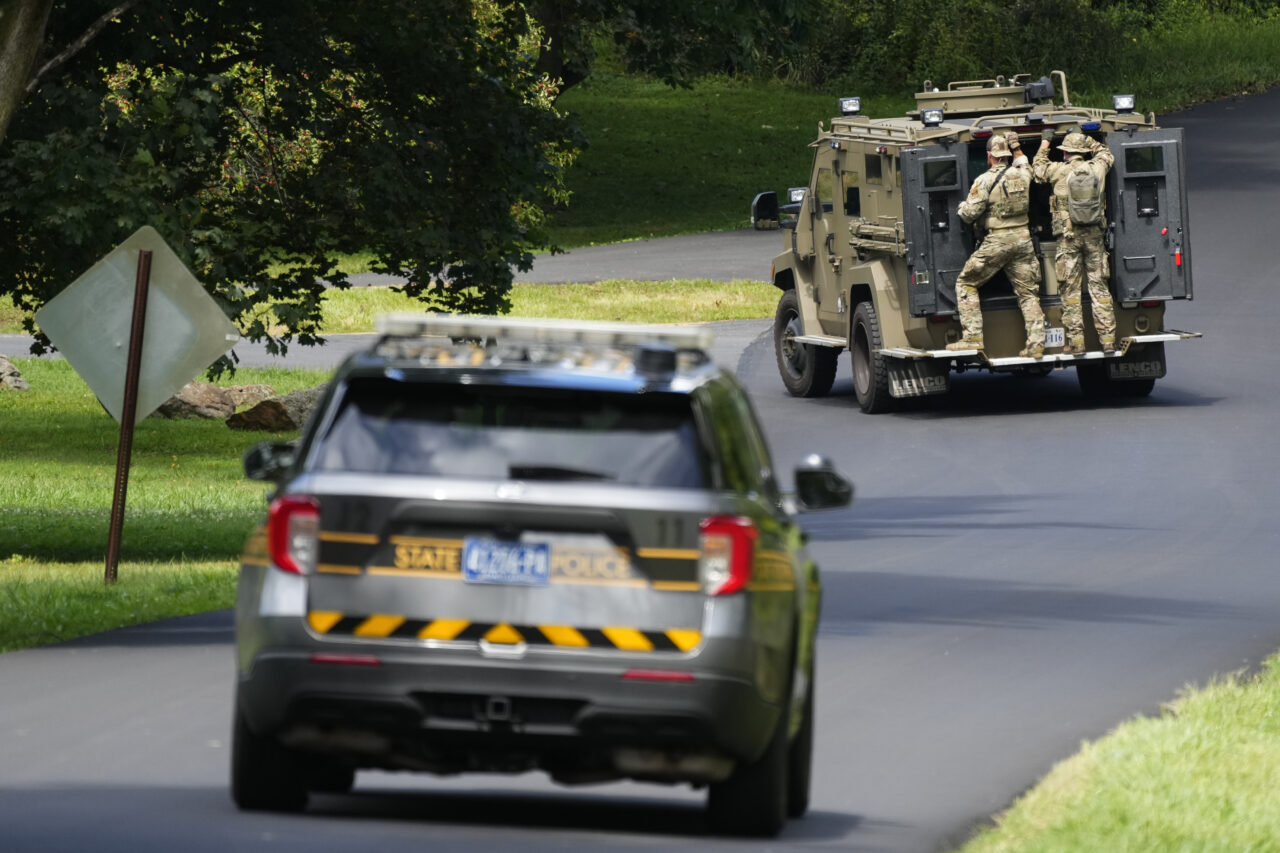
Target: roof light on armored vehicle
point(1122, 104)
point(931, 116)
point(850, 106)
point(795, 195)
point(1090, 125)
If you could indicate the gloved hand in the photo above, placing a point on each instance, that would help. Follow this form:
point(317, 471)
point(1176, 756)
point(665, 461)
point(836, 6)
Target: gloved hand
point(1047, 134)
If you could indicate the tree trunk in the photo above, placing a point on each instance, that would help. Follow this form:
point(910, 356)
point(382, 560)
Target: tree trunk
point(22, 24)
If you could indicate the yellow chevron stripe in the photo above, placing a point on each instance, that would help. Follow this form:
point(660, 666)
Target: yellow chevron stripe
point(628, 639)
point(343, 536)
point(322, 620)
point(427, 541)
point(443, 629)
point(677, 586)
point(563, 635)
point(684, 638)
point(379, 625)
point(503, 634)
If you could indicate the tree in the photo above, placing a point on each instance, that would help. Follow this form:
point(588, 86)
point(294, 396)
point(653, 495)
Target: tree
point(264, 140)
point(675, 40)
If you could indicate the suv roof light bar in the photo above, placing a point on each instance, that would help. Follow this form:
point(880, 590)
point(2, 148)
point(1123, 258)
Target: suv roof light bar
point(542, 331)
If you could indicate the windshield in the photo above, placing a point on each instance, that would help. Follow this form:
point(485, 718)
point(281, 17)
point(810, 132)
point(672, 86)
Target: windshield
point(511, 432)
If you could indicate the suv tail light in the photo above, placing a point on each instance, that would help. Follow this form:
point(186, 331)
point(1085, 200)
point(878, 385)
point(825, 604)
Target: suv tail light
point(293, 533)
point(728, 552)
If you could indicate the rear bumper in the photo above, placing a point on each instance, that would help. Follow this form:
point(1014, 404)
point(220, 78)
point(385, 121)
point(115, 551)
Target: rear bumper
point(419, 710)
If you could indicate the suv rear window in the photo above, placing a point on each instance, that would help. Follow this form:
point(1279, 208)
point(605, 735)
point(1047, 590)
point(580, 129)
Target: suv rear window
point(512, 432)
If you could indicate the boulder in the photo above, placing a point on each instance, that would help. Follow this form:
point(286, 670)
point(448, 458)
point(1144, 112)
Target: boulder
point(250, 395)
point(197, 400)
point(10, 378)
point(279, 414)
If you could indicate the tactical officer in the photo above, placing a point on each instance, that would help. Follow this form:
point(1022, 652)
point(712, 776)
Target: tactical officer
point(998, 201)
point(1078, 224)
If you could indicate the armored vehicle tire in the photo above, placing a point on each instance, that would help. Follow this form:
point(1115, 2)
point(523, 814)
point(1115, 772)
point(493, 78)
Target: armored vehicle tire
point(807, 370)
point(327, 777)
point(264, 775)
point(800, 761)
point(1094, 382)
point(754, 800)
point(870, 373)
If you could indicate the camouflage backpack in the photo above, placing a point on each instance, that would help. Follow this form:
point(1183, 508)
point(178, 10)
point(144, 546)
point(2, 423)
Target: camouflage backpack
point(1084, 197)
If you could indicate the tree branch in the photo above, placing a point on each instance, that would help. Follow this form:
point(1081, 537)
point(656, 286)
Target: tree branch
point(79, 44)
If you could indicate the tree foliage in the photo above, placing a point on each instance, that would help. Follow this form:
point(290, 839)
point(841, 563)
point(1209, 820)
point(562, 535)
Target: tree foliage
point(675, 40)
point(264, 140)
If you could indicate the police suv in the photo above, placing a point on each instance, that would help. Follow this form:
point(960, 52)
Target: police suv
point(873, 245)
point(505, 545)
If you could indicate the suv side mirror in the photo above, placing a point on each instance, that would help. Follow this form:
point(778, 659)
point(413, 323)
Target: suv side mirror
point(764, 211)
point(820, 486)
point(268, 460)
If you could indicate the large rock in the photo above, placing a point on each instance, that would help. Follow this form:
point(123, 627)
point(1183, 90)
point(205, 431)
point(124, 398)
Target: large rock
point(10, 378)
point(279, 414)
point(198, 400)
point(250, 395)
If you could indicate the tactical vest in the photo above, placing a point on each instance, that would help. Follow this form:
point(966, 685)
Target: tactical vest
point(1084, 196)
point(1009, 198)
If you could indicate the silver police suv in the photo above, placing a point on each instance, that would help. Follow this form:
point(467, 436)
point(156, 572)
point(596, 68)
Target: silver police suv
point(504, 545)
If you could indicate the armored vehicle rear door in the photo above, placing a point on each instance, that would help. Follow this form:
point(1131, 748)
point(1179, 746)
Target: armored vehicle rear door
point(1148, 196)
point(934, 181)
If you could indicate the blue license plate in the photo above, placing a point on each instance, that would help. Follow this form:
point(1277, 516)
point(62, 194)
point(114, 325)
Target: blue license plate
point(515, 563)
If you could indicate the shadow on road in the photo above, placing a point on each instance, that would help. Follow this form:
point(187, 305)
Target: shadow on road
point(854, 602)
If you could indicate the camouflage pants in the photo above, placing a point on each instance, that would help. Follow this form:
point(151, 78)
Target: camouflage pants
point(1081, 258)
point(1012, 252)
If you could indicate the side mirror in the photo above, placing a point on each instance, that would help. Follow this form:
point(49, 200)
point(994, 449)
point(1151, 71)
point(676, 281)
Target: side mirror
point(820, 486)
point(268, 460)
point(764, 211)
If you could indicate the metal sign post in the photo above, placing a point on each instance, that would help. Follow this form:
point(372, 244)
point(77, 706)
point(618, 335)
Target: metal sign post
point(124, 452)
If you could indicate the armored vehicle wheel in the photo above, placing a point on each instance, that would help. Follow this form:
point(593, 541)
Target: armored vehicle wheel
point(807, 370)
point(264, 775)
point(1094, 382)
point(870, 374)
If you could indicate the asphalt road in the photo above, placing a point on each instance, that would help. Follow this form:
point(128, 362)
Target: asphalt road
point(1022, 570)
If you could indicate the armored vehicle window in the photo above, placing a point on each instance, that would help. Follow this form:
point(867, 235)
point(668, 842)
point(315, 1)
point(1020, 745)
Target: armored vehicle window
point(823, 190)
point(1145, 159)
point(852, 200)
point(941, 174)
point(874, 174)
point(502, 431)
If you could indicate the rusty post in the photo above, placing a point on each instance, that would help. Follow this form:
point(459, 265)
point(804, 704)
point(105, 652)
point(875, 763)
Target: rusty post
point(124, 451)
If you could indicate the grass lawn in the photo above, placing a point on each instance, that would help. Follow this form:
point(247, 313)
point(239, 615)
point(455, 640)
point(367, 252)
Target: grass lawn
point(1204, 776)
point(188, 511)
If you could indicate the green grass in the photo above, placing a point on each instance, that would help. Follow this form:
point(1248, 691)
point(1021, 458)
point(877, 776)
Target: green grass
point(1204, 776)
point(188, 510)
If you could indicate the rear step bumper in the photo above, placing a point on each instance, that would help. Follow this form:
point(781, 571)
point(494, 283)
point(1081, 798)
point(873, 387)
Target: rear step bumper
point(973, 355)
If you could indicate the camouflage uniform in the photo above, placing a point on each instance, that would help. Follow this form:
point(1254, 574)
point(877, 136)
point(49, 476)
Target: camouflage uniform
point(1082, 254)
point(998, 200)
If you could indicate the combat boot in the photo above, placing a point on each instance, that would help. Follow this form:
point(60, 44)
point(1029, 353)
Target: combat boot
point(1032, 351)
point(1073, 346)
point(965, 343)
point(1108, 347)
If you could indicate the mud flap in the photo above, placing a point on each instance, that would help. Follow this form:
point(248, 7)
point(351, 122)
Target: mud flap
point(1145, 362)
point(917, 377)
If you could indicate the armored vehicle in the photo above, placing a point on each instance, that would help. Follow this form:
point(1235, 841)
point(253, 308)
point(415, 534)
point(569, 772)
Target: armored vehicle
point(873, 244)
point(504, 545)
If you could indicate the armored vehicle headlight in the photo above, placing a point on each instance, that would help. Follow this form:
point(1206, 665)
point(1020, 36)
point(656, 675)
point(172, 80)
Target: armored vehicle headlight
point(931, 116)
point(1122, 103)
point(795, 195)
point(850, 106)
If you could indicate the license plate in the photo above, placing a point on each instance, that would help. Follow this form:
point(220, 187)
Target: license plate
point(1055, 336)
point(514, 563)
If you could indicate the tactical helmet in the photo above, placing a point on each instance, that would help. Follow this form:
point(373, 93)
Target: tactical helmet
point(998, 146)
point(1076, 143)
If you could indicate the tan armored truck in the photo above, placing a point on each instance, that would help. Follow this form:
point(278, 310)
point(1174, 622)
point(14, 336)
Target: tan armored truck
point(873, 245)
